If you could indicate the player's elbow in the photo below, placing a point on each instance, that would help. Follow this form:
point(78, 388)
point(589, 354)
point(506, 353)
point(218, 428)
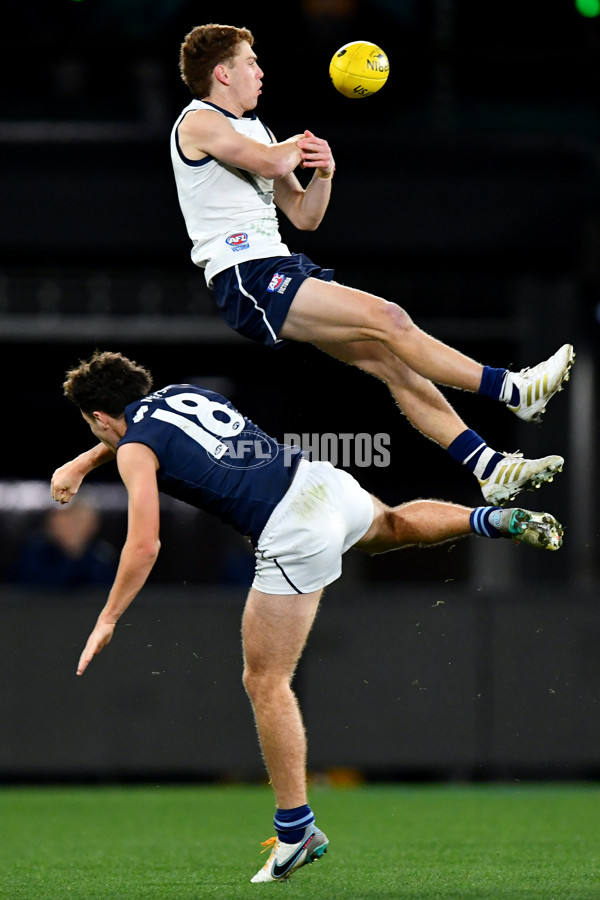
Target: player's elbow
point(303, 219)
point(312, 224)
point(154, 550)
point(147, 551)
point(279, 161)
point(308, 223)
point(274, 168)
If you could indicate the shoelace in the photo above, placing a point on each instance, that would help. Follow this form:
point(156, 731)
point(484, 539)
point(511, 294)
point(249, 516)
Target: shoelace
point(517, 453)
point(270, 842)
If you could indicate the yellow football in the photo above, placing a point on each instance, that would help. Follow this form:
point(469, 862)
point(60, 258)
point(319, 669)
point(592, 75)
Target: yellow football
point(359, 69)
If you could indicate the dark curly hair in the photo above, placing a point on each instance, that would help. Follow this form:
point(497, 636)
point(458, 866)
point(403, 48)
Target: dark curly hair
point(205, 47)
point(106, 382)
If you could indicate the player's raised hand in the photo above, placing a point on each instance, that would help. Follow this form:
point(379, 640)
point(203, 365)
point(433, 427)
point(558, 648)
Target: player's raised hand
point(67, 479)
point(65, 482)
point(98, 639)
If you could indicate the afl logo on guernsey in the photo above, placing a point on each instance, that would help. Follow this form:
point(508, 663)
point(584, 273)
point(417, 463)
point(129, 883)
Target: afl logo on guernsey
point(248, 450)
point(238, 241)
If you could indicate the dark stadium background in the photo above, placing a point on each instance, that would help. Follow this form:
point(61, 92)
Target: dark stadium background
point(468, 191)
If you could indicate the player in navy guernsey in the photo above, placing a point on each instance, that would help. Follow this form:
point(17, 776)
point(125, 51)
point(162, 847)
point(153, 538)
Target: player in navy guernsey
point(211, 456)
point(302, 516)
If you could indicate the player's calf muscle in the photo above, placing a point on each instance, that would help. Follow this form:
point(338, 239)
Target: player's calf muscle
point(417, 523)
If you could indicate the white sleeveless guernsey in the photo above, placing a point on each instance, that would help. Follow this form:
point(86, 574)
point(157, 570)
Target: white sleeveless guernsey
point(229, 213)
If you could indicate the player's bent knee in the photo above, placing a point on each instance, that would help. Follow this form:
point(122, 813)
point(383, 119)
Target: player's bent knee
point(390, 319)
point(398, 317)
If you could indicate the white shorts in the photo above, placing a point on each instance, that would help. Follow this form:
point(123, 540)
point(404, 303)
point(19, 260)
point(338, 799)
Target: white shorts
point(324, 512)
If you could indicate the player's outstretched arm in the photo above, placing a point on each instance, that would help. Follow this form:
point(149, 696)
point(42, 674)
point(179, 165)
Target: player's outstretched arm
point(204, 132)
point(137, 467)
point(67, 479)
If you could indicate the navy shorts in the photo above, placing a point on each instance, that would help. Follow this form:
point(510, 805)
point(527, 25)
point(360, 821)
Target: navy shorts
point(254, 296)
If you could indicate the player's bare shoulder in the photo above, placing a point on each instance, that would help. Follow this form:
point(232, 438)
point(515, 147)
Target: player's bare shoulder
point(199, 129)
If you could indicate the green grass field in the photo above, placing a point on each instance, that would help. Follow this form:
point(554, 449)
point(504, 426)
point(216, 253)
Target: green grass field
point(387, 841)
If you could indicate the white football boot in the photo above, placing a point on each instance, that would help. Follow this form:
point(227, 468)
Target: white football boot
point(286, 858)
point(538, 384)
point(514, 474)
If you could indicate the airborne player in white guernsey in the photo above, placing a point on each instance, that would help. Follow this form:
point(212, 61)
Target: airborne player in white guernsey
point(232, 177)
point(229, 212)
point(301, 517)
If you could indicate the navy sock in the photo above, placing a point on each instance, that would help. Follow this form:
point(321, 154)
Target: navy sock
point(497, 385)
point(485, 521)
point(290, 824)
point(470, 450)
point(492, 382)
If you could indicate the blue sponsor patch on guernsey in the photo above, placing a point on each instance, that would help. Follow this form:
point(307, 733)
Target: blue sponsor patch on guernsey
point(238, 241)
